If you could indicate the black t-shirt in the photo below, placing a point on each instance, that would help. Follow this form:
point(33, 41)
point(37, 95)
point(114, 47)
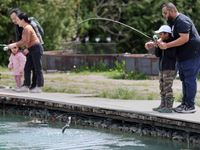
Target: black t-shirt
point(167, 58)
point(191, 49)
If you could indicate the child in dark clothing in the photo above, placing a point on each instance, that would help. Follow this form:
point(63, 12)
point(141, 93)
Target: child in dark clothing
point(167, 62)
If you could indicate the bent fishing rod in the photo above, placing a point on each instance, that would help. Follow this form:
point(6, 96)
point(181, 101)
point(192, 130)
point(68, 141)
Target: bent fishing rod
point(154, 38)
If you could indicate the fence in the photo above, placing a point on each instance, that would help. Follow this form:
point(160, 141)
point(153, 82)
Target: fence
point(57, 60)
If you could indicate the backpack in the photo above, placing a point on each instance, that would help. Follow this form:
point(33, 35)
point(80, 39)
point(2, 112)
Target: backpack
point(38, 25)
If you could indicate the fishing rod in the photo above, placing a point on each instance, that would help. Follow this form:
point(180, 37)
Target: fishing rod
point(151, 38)
point(3, 45)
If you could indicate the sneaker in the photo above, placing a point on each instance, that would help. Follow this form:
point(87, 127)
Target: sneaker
point(36, 90)
point(17, 88)
point(188, 109)
point(180, 107)
point(22, 89)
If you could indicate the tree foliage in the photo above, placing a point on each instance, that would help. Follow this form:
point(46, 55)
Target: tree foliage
point(144, 15)
point(59, 19)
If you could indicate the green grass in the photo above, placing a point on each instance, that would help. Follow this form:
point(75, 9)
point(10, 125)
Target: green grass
point(178, 97)
point(124, 93)
point(115, 90)
point(136, 75)
point(50, 89)
point(6, 79)
point(118, 74)
point(4, 68)
point(152, 96)
point(114, 75)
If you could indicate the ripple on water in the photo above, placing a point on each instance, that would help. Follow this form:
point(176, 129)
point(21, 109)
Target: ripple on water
point(18, 135)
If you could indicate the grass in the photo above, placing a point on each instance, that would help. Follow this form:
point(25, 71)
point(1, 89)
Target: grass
point(152, 96)
point(3, 68)
point(178, 97)
point(81, 83)
point(118, 74)
point(124, 93)
point(50, 89)
point(114, 75)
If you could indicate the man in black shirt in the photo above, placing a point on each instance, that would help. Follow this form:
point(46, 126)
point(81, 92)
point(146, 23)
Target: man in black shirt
point(187, 42)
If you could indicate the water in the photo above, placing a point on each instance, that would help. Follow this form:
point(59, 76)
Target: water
point(17, 134)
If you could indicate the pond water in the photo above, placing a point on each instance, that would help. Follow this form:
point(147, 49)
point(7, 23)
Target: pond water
point(17, 134)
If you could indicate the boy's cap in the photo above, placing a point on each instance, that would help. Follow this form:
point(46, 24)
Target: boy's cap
point(164, 28)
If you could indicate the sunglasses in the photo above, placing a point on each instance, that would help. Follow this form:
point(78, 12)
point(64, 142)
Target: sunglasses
point(164, 13)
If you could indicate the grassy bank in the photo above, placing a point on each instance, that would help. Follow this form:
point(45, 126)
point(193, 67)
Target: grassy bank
point(101, 84)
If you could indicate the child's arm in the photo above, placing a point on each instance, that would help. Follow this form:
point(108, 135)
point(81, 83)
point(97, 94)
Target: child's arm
point(10, 65)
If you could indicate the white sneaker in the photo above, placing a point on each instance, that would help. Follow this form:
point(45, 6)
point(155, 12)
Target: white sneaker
point(36, 90)
point(17, 88)
point(22, 89)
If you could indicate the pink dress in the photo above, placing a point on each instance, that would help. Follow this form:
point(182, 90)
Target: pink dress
point(17, 62)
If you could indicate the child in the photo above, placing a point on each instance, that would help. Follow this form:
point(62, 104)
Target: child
point(167, 63)
point(17, 61)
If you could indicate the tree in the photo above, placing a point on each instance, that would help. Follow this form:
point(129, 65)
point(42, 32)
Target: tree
point(56, 17)
point(144, 15)
point(59, 19)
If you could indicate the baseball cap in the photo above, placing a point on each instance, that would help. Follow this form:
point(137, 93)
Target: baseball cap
point(164, 28)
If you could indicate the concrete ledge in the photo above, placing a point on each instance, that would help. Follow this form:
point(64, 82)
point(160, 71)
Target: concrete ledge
point(122, 115)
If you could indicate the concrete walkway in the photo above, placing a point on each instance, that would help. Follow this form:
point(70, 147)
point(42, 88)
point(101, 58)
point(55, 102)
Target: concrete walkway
point(139, 106)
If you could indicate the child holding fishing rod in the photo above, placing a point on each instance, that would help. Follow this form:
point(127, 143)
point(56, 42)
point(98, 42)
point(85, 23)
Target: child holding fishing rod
point(167, 61)
point(17, 61)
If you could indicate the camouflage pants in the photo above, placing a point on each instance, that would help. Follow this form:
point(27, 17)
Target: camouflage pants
point(166, 78)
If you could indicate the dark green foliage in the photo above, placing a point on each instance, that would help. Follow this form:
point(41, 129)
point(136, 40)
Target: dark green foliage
point(136, 75)
point(144, 15)
point(56, 17)
point(59, 19)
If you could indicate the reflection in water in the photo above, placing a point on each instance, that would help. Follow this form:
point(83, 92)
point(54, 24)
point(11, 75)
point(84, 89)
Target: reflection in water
point(15, 134)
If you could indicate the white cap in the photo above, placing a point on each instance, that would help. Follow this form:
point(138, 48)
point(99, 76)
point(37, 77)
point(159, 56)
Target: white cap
point(164, 28)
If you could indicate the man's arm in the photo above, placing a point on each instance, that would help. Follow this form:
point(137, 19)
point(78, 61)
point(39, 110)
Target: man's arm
point(184, 38)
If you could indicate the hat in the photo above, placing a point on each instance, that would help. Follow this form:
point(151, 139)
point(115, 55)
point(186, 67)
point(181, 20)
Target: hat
point(164, 28)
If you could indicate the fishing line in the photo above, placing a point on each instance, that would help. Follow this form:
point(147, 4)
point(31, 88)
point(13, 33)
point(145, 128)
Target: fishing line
point(118, 23)
point(3, 45)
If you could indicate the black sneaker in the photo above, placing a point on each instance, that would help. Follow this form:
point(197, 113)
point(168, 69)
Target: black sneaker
point(188, 109)
point(180, 107)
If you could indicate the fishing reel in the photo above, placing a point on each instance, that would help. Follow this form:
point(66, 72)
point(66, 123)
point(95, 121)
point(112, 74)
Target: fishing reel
point(155, 38)
point(5, 48)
